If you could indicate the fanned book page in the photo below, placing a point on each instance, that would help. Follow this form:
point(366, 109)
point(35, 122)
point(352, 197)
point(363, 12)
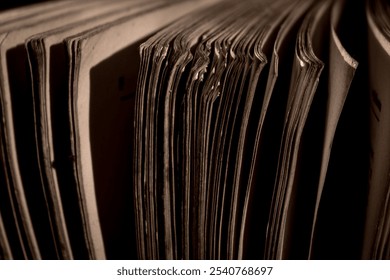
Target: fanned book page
point(379, 59)
point(46, 50)
point(169, 129)
point(38, 236)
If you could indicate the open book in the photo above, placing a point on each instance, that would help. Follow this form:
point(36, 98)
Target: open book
point(221, 129)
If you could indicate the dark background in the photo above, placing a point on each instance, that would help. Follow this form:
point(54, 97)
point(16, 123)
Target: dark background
point(9, 4)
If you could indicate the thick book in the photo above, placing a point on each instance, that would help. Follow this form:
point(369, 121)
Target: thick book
point(196, 129)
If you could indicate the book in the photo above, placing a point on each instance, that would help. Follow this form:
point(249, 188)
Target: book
point(195, 129)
